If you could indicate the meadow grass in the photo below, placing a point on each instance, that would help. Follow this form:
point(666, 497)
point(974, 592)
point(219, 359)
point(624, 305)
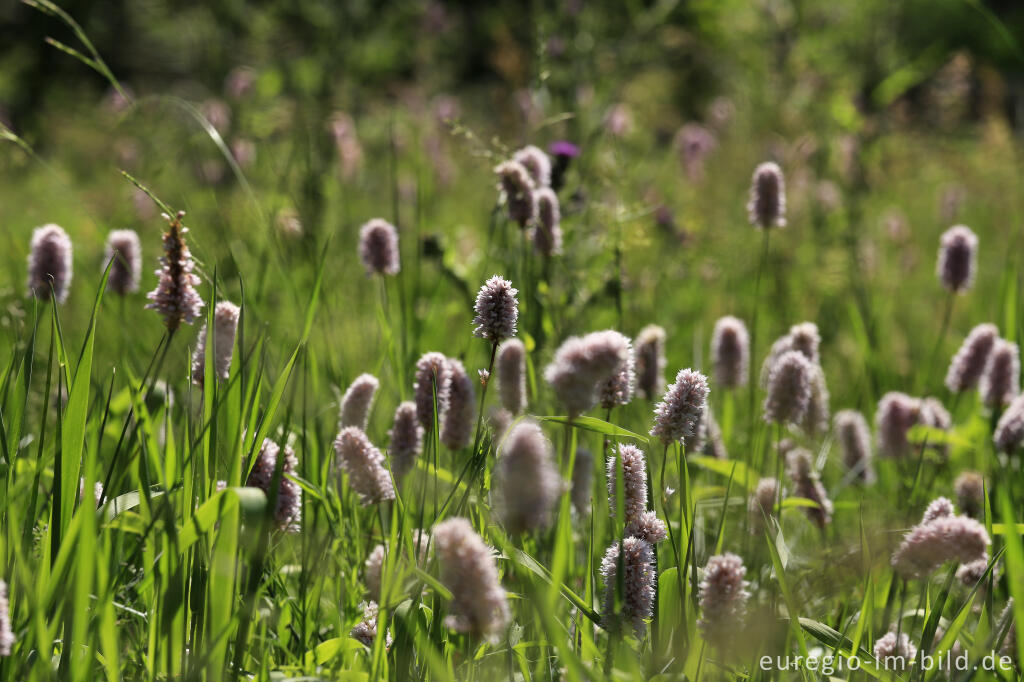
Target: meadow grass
point(179, 570)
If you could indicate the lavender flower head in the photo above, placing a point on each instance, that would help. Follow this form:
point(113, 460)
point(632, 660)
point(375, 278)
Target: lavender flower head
point(582, 480)
point(618, 390)
point(225, 325)
point(547, 233)
point(518, 191)
point(789, 389)
point(679, 413)
point(730, 352)
point(406, 436)
point(634, 481)
point(6, 633)
point(938, 508)
point(969, 488)
point(582, 365)
point(364, 464)
point(650, 361)
point(49, 263)
point(854, 438)
point(124, 249)
point(288, 512)
point(479, 605)
point(638, 582)
point(969, 362)
point(366, 630)
point(457, 424)
point(896, 414)
point(767, 205)
point(694, 143)
point(723, 599)
point(497, 310)
point(175, 296)
point(803, 338)
point(433, 381)
point(357, 401)
point(373, 569)
point(762, 502)
point(1000, 383)
point(894, 653)
point(808, 485)
point(537, 164)
point(378, 248)
point(958, 257)
point(511, 366)
point(816, 419)
point(527, 483)
point(938, 539)
point(1009, 433)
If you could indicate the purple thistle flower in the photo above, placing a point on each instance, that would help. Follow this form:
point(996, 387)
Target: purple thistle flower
point(124, 249)
point(49, 263)
point(762, 503)
point(518, 191)
point(497, 310)
point(547, 233)
point(1000, 383)
point(479, 605)
point(970, 492)
point(808, 485)
point(730, 352)
point(433, 384)
point(7, 638)
point(958, 256)
point(618, 390)
point(638, 581)
point(969, 362)
point(854, 438)
point(357, 401)
point(406, 439)
point(564, 152)
point(679, 413)
point(894, 653)
point(511, 365)
point(175, 296)
point(1009, 433)
point(789, 389)
point(723, 599)
point(582, 364)
point(938, 540)
point(537, 164)
point(650, 361)
point(767, 205)
point(378, 248)
point(364, 464)
point(288, 512)
point(225, 325)
point(457, 426)
point(582, 480)
point(527, 483)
